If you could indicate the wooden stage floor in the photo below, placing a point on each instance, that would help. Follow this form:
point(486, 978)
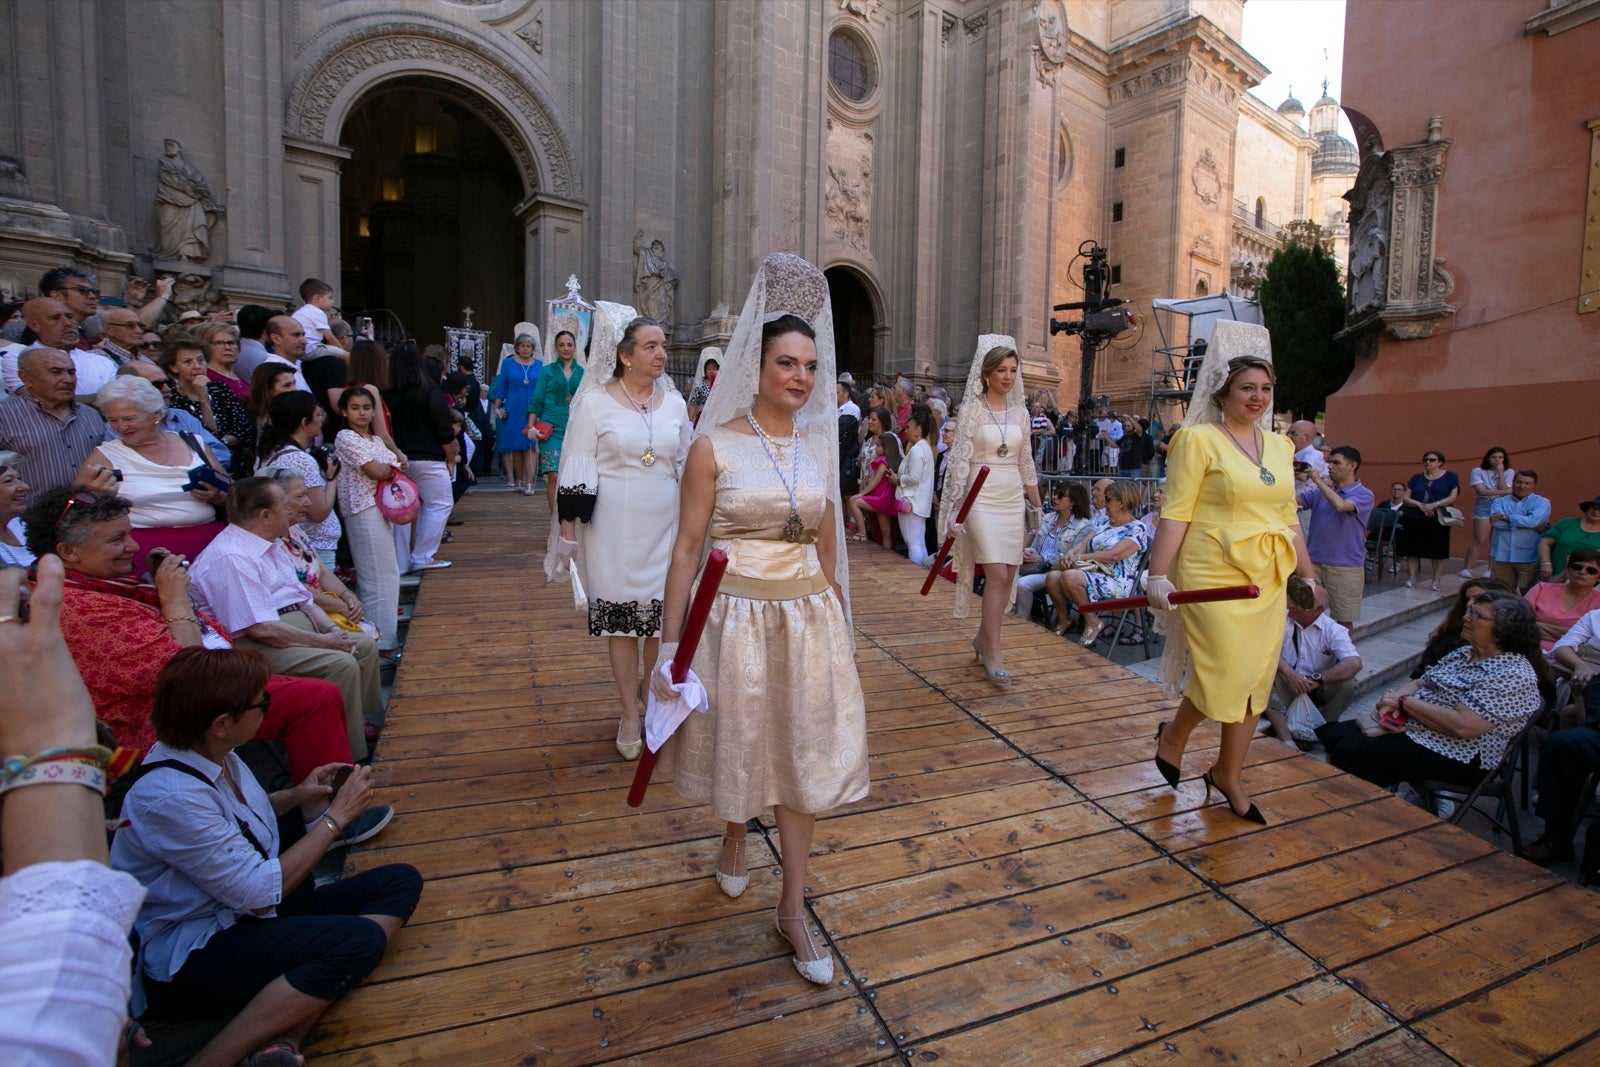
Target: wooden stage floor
point(1019, 887)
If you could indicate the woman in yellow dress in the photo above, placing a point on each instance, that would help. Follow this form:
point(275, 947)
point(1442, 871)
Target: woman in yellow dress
point(1229, 519)
point(991, 430)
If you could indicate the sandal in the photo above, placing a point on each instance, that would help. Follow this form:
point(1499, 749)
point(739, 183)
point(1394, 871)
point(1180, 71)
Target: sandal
point(280, 1053)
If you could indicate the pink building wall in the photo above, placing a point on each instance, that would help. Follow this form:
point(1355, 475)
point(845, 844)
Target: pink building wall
point(1516, 365)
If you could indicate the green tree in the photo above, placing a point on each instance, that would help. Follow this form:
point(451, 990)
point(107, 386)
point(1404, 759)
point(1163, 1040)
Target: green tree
point(1302, 300)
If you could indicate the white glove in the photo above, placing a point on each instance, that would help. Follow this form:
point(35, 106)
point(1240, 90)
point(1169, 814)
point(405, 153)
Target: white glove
point(661, 677)
point(1159, 590)
point(566, 550)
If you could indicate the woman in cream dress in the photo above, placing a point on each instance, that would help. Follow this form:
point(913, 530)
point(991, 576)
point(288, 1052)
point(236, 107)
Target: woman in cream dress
point(787, 721)
point(992, 431)
point(625, 445)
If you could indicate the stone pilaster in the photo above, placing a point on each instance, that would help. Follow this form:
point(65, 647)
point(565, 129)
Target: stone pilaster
point(253, 268)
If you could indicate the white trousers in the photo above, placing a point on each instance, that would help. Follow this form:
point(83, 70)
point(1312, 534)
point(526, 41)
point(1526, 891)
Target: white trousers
point(433, 483)
point(914, 530)
point(377, 575)
point(1028, 587)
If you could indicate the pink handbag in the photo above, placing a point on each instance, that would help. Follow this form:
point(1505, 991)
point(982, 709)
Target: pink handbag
point(399, 499)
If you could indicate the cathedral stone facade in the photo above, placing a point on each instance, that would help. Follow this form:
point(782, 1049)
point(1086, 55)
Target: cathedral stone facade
point(943, 160)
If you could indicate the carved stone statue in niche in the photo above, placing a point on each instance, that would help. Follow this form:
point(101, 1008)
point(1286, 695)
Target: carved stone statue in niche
point(185, 207)
point(1369, 253)
point(655, 284)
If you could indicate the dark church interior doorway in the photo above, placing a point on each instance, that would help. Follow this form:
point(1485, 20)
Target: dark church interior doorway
point(426, 214)
point(853, 324)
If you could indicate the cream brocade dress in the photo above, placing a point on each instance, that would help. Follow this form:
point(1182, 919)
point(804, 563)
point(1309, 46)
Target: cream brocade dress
point(787, 723)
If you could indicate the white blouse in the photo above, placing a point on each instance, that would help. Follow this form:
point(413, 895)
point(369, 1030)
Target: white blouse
point(65, 962)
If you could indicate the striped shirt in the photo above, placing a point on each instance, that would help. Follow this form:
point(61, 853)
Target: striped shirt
point(52, 449)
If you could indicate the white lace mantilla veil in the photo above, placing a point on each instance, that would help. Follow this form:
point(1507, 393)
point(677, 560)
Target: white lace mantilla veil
point(509, 348)
point(785, 284)
point(1229, 341)
point(566, 320)
point(700, 367)
point(958, 469)
point(606, 331)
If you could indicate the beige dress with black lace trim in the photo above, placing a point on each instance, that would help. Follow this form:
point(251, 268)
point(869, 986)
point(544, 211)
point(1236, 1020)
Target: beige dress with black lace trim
point(787, 723)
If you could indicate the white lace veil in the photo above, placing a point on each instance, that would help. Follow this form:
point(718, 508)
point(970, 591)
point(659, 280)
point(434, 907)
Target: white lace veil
point(958, 469)
point(1229, 341)
point(706, 354)
point(786, 284)
point(609, 322)
point(563, 319)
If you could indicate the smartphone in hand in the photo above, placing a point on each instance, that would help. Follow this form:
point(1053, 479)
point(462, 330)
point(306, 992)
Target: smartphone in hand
point(340, 777)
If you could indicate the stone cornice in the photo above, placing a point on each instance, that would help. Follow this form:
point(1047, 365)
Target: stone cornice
point(1562, 15)
point(1195, 34)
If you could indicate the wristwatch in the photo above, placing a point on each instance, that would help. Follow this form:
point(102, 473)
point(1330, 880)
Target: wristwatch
point(1317, 677)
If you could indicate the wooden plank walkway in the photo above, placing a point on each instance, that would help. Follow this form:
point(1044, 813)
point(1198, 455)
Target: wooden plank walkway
point(1019, 887)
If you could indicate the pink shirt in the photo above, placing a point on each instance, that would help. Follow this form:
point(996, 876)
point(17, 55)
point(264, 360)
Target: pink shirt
point(1546, 600)
point(355, 488)
point(243, 579)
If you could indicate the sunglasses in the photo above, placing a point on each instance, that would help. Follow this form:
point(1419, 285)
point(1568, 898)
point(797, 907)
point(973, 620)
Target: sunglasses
point(265, 703)
point(1432, 459)
point(1583, 568)
point(148, 344)
point(83, 290)
point(86, 499)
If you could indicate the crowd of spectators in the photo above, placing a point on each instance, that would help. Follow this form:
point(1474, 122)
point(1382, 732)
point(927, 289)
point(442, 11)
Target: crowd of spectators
point(177, 494)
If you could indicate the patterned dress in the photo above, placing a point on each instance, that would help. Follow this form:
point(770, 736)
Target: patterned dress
point(787, 723)
point(1125, 572)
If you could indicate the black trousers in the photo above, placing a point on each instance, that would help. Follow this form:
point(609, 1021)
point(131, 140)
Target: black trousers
point(1392, 758)
point(323, 953)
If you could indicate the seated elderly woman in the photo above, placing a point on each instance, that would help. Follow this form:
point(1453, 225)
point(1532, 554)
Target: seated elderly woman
point(1558, 605)
point(1458, 718)
point(1106, 566)
point(122, 631)
point(13, 499)
point(232, 923)
point(173, 509)
point(1060, 529)
point(328, 592)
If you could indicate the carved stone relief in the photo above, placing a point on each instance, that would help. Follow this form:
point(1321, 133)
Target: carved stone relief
point(862, 8)
point(1395, 278)
point(347, 60)
point(847, 191)
point(1206, 178)
point(1177, 70)
point(1050, 50)
point(533, 33)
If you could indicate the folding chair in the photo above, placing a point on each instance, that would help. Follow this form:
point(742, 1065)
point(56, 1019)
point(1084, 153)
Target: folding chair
point(1498, 782)
point(1383, 531)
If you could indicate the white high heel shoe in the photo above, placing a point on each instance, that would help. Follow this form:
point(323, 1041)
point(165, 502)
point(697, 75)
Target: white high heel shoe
point(818, 971)
point(733, 884)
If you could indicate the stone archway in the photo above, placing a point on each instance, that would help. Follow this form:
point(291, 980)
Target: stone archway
point(858, 323)
point(509, 95)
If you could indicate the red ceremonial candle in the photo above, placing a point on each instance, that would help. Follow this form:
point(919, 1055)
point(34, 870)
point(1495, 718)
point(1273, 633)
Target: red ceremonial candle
point(1191, 596)
point(694, 624)
point(961, 517)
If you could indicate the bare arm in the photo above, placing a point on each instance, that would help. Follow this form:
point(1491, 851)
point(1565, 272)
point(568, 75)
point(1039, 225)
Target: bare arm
point(282, 635)
point(1459, 721)
point(697, 495)
point(1344, 670)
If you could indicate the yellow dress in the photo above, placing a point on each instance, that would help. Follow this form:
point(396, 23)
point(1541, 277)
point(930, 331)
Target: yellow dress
point(1240, 533)
point(788, 721)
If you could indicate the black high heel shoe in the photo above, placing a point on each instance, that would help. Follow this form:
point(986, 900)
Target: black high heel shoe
point(1168, 771)
point(1253, 815)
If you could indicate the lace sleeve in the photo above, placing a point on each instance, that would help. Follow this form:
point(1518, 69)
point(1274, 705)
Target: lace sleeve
point(1030, 474)
point(579, 484)
point(65, 962)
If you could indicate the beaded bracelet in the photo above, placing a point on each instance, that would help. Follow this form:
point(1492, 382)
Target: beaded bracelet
point(57, 772)
point(97, 756)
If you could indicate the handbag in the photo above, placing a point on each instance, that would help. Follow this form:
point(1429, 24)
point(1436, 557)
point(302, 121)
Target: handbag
point(398, 499)
point(542, 431)
point(1449, 516)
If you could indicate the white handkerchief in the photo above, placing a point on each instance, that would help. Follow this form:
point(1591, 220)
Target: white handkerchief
point(663, 717)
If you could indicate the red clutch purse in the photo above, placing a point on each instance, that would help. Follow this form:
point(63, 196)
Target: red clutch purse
point(542, 431)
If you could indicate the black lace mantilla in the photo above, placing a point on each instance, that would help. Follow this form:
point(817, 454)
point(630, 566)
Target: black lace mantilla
point(606, 617)
point(575, 503)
